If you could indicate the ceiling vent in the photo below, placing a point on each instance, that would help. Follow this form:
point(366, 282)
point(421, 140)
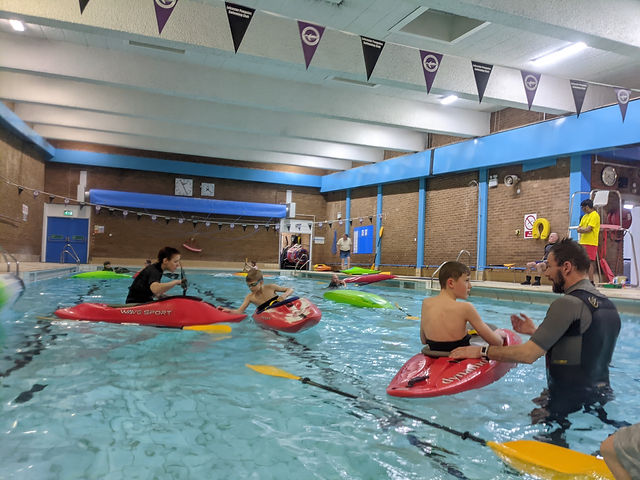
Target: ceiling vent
point(133, 43)
point(437, 25)
point(352, 82)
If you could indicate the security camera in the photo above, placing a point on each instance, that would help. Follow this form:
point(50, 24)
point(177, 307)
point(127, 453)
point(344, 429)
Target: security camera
point(511, 180)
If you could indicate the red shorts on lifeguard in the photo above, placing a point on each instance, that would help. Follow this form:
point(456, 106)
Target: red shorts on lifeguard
point(592, 251)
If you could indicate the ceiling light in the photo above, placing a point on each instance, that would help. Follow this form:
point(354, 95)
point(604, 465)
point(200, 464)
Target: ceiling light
point(448, 99)
point(559, 55)
point(17, 25)
point(628, 206)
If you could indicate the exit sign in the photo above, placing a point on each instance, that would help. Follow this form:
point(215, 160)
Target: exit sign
point(68, 213)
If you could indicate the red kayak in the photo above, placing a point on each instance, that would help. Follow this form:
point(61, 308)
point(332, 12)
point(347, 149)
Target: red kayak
point(424, 376)
point(166, 312)
point(369, 278)
point(291, 315)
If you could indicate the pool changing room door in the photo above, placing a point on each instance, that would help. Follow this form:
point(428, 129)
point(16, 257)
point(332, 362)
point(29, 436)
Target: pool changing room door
point(66, 236)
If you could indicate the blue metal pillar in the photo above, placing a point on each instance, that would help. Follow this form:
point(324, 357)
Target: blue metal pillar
point(378, 225)
point(422, 200)
point(483, 201)
point(347, 213)
point(579, 181)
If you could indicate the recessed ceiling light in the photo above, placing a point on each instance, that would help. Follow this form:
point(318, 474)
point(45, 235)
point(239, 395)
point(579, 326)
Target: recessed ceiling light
point(559, 55)
point(17, 25)
point(448, 99)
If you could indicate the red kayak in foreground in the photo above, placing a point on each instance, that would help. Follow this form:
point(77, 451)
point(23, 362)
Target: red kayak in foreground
point(369, 278)
point(166, 312)
point(424, 376)
point(291, 315)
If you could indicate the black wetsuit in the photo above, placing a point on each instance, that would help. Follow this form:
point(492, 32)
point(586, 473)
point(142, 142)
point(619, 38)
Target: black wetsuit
point(140, 289)
point(448, 346)
point(268, 303)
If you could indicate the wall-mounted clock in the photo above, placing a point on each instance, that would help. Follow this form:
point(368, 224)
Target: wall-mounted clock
point(207, 189)
point(184, 187)
point(609, 176)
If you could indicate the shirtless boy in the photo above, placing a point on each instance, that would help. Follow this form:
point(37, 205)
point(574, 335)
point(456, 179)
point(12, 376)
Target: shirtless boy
point(444, 320)
point(261, 294)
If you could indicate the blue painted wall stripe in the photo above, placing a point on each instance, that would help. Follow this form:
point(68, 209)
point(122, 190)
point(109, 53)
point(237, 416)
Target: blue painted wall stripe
point(378, 225)
point(12, 123)
point(483, 202)
point(78, 157)
point(347, 213)
point(579, 181)
point(422, 200)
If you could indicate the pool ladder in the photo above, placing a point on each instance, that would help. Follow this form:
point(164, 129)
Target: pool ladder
point(434, 276)
point(7, 258)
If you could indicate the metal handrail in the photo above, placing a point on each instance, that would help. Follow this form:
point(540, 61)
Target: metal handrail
point(7, 257)
point(460, 254)
point(68, 248)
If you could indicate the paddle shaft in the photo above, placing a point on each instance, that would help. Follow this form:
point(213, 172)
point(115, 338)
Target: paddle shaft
point(184, 287)
point(463, 435)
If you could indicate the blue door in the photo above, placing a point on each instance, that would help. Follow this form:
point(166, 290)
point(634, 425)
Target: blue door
point(67, 240)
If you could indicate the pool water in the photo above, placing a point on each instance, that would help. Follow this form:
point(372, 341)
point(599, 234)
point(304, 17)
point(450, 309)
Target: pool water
point(95, 400)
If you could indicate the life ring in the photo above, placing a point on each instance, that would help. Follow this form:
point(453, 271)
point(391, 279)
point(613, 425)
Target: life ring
point(545, 229)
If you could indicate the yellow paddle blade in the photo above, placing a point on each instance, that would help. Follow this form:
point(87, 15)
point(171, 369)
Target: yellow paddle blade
point(411, 317)
point(273, 371)
point(218, 328)
point(384, 273)
point(545, 460)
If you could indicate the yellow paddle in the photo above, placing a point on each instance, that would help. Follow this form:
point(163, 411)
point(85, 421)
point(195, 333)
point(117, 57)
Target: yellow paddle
point(542, 460)
point(214, 328)
point(408, 317)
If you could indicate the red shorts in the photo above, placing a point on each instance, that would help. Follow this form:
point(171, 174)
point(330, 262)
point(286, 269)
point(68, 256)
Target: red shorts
point(592, 250)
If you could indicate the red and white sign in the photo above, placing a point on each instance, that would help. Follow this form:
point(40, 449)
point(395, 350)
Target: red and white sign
point(529, 220)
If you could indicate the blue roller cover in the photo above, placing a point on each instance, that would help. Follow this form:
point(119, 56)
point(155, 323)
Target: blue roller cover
point(150, 201)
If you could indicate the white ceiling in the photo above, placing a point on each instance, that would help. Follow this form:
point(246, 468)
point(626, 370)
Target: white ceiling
point(78, 77)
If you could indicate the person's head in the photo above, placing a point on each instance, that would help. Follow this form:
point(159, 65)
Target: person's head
point(334, 278)
point(587, 205)
point(567, 260)
point(253, 263)
point(107, 264)
point(345, 236)
point(455, 276)
point(553, 237)
point(254, 280)
point(169, 258)
point(147, 261)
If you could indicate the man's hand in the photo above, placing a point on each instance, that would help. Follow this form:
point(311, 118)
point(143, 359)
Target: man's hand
point(523, 324)
point(466, 352)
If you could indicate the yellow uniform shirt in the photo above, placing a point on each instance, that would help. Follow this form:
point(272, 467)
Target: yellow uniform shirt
point(590, 238)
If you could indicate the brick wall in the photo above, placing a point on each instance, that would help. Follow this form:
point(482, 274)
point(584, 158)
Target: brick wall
point(400, 221)
point(22, 165)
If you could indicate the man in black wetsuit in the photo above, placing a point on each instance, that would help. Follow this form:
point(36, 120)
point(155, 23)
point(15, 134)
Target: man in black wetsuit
point(578, 336)
point(146, 285)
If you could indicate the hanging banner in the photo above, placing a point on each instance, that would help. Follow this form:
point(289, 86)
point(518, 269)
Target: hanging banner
point(623, 95)
point(239, 20)
point(481, 72)
point(530, 81)
point(310, 36)
point(430, 64)
point(579, 90)
point(83, 4)
point(164, 9)
point(371, 49)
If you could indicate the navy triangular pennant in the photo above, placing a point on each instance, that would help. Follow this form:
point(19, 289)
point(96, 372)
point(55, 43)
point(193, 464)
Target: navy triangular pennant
point(239, 20)
point(530, 80)
point(83, 5)
point(371, 49)
point(481, 72)
point(579, 90)
point(622, 96)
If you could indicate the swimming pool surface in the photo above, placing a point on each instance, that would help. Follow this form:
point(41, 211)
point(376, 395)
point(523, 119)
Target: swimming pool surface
point(105, 401)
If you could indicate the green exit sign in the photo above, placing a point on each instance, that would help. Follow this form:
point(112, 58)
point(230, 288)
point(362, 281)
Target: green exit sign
point(68, 213)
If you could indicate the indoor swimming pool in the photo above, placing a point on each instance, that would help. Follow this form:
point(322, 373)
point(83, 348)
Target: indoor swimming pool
point(109, 401)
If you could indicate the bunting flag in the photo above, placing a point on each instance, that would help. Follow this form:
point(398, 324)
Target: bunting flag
point(623, 95)
point(481, 72)
point(530, 80)
point(310, 36)
point(239, 20)
point(371, 49)
point(579, 90)
point(430, 64)
point(164, 9)
point(83, 5)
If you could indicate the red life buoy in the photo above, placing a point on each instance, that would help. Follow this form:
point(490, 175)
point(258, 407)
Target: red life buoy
point(613, 218)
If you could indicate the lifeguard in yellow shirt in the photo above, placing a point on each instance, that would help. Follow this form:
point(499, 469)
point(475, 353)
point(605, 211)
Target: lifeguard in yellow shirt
point(589, 230)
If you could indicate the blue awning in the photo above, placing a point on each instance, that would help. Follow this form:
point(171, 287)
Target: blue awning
point(150, 201)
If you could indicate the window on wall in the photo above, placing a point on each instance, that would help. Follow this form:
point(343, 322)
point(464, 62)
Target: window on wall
point(363, 239)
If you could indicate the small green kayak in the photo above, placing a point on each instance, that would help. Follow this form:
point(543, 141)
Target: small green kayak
point(358, 298)
point(101, 274)
point(359, 271)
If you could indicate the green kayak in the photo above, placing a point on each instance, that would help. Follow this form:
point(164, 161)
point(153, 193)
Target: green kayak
point(359, 271)
point(101, 274)
point(358, 298)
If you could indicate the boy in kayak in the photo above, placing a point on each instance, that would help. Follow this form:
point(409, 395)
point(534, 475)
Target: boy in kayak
point(443, 324)
point(147, 284)
point(260, 294)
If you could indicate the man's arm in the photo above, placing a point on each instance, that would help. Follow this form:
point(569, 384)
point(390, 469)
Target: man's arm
point(528, 352)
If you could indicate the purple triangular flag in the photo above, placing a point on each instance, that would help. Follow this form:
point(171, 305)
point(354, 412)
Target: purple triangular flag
point(310, 36)
point(430, 64)
point(579, 90)
point(83, 4)
point(371, 49)
point(623, 95)
point(164, 9)
point(531, 80)
point(239, 20)
point(481, 72)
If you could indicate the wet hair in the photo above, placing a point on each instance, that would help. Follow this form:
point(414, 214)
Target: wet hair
point(106, 263)
point(254, 276)
point(587, 203)
point(568, 250)
point(452, 270)
point(167, 252)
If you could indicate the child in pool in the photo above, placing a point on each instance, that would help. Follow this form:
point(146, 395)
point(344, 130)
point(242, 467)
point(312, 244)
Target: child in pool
point(336, 282)
point(443, 325)
point(260, 294)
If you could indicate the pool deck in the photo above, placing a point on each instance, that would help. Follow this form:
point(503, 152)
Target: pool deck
point(626, 299)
